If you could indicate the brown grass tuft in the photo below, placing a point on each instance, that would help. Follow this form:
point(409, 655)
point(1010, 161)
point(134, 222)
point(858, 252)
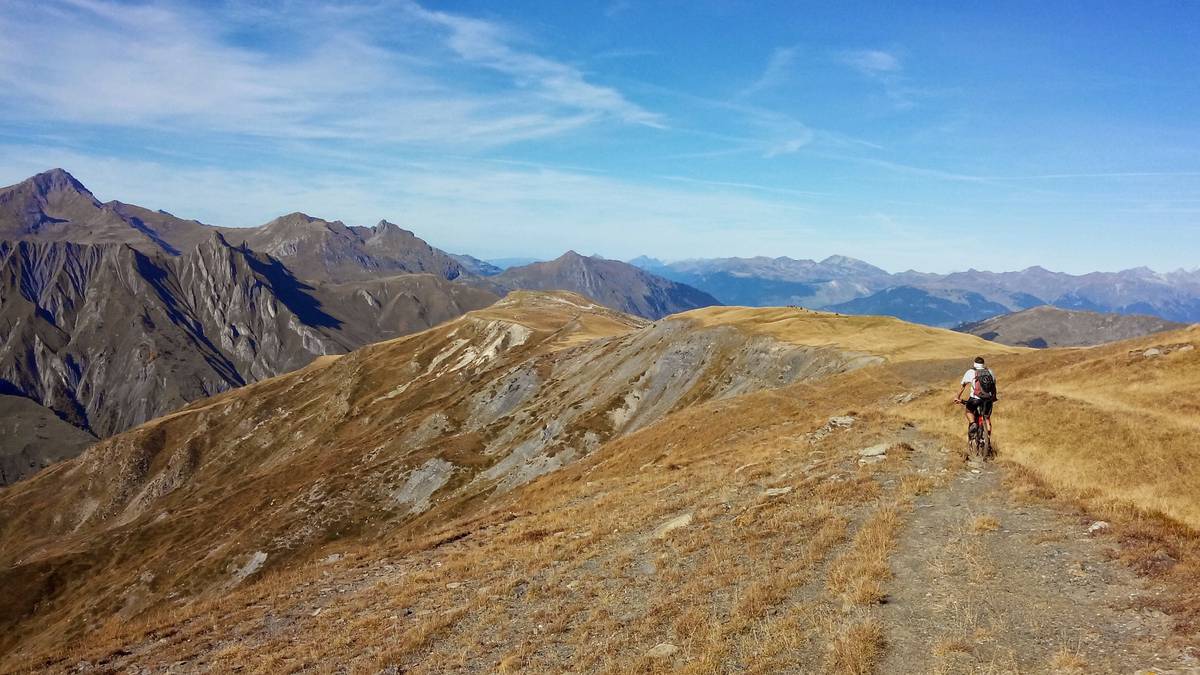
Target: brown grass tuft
point(859, 573)
point(1068, 661)
point(947, 646)
point(982, 524)
point(856, 649)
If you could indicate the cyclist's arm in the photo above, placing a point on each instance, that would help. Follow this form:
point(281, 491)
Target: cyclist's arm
point(961, 390)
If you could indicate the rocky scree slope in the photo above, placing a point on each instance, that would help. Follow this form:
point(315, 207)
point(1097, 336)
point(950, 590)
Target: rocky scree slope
point(395, 437)
point(108, 337)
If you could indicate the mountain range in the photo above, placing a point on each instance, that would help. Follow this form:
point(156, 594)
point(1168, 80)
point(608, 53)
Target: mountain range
point(852, 286)
point(113, 314)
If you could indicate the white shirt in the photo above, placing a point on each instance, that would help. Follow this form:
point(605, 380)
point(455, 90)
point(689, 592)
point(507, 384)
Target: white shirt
point(969, 378)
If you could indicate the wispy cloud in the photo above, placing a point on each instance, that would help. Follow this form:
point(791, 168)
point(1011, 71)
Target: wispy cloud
point(172, 67)
point(887, 69)
point(762, 131)
point(748, 186)
point(776, 71)
point(873, 62)
point(489, 44)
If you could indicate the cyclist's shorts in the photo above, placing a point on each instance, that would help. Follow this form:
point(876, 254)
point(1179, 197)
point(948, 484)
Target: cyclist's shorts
point(980, 406)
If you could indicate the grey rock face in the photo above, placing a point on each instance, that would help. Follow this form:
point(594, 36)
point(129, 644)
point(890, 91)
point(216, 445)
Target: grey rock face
point(108, 337)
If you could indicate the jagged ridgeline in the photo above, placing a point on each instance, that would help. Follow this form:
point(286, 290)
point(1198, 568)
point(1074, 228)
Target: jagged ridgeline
point(108, 336)
point(114, 314)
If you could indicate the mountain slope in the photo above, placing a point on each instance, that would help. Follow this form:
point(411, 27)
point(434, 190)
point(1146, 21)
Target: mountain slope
point(944, 308)
point(705, 503)
point(34, 438)
point(763, 281)
point(611, 283)
point(53, 207)
point(473, 265)
point(397, 436)
point(1053, 327)
point(330, 251)
point(108, 337)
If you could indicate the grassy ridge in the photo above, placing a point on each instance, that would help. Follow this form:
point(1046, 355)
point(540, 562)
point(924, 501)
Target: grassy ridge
point(1108, 423)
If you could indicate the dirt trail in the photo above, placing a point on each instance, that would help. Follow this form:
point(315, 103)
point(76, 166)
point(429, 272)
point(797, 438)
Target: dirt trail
point(986, 583)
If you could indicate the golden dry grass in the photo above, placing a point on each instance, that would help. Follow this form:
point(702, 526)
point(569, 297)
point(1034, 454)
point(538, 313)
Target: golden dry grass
point(1115, 433)
point(892, 339)
point(564, 576)
point(982, 524)
point(856, 648)
point(1106, 424)
point(565, 572)
point(1068, 661)
point(859, 574)
point(955, 645)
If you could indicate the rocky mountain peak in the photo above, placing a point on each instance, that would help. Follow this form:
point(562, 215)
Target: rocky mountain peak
point(57, 181)
point(388, 226)
point(295, 219)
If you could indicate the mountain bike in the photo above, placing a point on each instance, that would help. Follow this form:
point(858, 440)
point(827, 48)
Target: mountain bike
point(979, 439)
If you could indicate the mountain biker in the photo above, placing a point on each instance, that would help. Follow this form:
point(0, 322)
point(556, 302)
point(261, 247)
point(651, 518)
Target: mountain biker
point(982, 382)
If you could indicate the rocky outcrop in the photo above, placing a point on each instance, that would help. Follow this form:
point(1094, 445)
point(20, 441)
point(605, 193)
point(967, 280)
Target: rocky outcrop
point(331, 251)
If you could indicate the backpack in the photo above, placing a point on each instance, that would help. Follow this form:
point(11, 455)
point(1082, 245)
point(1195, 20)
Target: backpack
point(985, 385)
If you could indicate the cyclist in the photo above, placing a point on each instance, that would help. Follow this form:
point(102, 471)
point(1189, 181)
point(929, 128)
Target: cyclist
point(982, 382)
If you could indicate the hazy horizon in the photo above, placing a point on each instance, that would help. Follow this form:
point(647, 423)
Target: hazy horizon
point(935, 139)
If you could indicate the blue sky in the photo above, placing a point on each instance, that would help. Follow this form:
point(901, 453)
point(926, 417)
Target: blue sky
point(913, 135)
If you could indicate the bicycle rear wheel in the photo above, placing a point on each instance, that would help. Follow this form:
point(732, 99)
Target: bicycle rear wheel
point(973, 444)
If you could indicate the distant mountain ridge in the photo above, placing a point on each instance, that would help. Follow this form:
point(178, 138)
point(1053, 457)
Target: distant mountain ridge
point(1048, 326)
point(844, 284)
point(611, 283)
point(331, 251)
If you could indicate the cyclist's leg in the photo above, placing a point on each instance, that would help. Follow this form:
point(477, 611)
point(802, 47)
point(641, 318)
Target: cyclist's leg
point(970, 410)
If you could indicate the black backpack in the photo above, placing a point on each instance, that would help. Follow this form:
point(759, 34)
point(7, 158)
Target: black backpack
point(985, 385)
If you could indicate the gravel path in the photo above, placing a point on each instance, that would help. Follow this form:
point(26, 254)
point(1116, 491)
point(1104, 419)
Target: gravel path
point(986, 584)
